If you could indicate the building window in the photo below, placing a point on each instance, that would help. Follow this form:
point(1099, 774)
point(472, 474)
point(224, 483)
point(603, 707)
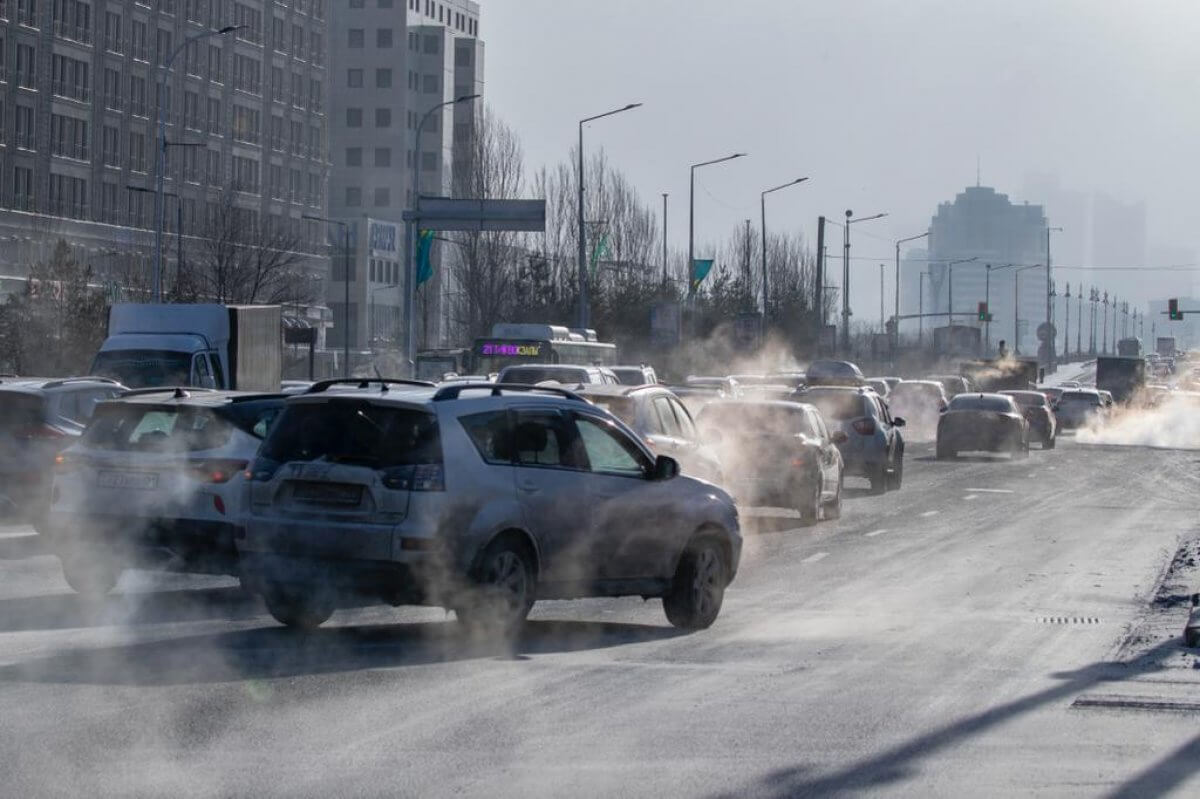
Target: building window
point(355, 38)
point(137, 152)
point(383, 197)
point(431, 84)
point(353, 156)
point(383, 117)
point(353, 197)
point(110, 147)
point(383, 38)
point(429, 162)
point(214, 116)
point(26, 66)
point(383, 156)
point(23, 188)
point(354, 117)
point(356, 3)
point(432, 45)
point(383, 78)
point(354, 78)
point(25, 135)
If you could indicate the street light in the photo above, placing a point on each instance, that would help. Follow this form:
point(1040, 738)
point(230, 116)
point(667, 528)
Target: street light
point(950, 285)
point(846, 274)
point(691, 266)
point(161, 154)
point(1017, 306)
point(178, 221)
point(896, 333)
point(584, 302)
point(763, 201)
point(346, 282)
point(412, 233)
point(1050, 354)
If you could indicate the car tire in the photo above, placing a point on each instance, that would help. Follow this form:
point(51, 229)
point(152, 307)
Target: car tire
point(1021, 450)
point(300, 611)
point(879, 479)
point(896, 479)
point(810, 509)
point(503, 591)
point(1050, 442)
point(697, 590)
point(833, 509)
point(88, 576)
point(945, 453)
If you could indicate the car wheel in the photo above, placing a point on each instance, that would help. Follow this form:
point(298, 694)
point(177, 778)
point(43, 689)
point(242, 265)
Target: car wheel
point(302, 611)
point(897, 476)
point(879, 479)
point(89, 576)
point(1050, 442)
point(833, 510)
point(810, 507)
point(1021, 449)
point(504, 589)
point(694, 599)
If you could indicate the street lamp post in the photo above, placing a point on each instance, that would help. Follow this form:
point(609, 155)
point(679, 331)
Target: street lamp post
point(412, 230)
point(896, 333)
point(950, 285)
point(692, 218)
point(178, 221)
point(1017, 306)
point(584, 307)
point(1049, 290)
point(346, 284)
point(160, 159)
point(763, 202)
point(1104, 329)
point(846, 273)
point(1067, 324)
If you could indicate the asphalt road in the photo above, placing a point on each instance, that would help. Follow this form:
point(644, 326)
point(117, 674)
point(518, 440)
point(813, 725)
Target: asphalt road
point(945, 640)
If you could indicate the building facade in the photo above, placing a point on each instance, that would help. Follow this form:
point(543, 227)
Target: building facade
point(985, 225)
point(245, 122)
point(391, 63)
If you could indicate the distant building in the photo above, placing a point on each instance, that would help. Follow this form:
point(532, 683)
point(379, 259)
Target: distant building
point(983, 224)
point(391, 62)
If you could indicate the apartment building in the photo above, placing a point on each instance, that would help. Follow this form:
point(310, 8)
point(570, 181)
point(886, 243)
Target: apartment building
point(80, 95)
point(390, 62)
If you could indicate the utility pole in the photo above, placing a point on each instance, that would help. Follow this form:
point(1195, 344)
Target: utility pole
point(1104, 330)
point(846, 283)
point(1079, 322)
point(1067, 323)
point(819, 289)
point(746, 267)
point(665, 195)
point(882, 329)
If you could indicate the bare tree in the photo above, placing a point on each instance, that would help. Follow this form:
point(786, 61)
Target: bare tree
point(244, 259)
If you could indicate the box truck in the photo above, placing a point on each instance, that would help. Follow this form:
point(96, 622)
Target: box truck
point(207, 346)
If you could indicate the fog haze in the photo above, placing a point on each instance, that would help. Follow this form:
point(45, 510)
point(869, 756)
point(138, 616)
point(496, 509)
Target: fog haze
point(886, 106)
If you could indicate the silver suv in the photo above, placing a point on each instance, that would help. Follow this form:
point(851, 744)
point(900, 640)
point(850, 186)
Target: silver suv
point(478, 498)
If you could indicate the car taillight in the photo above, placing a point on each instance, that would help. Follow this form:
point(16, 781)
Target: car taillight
point(64, 463)
point(422, 477)
point(864, 427)
point(215, 470)
point(262, 470)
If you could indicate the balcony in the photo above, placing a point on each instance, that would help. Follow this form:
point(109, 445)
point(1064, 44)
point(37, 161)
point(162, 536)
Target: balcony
point(71, 91)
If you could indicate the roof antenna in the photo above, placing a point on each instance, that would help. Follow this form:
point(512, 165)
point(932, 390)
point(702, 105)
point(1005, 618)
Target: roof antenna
point(383, 385)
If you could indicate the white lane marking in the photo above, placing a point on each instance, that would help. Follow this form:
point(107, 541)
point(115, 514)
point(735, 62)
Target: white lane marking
point(929, 513)
point(971, 496)
point(816, 557)
point(874, 533)
point(991, 490)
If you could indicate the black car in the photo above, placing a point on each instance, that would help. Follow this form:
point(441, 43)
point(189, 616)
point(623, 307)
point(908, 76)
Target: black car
point(1042, 421)
point(982, 422)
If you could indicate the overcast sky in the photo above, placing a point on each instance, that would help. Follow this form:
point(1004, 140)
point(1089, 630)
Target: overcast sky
point(884, 105)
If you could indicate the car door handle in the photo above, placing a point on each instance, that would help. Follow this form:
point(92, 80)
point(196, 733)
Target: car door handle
point(528, 486)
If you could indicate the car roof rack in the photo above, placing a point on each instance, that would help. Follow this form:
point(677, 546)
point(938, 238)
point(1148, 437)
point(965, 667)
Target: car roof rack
point(179, 392)
point(85, 379)
point(365, 382)
point(453, 392)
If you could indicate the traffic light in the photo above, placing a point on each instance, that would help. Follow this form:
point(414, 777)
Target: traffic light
point(984, 316)
point(1173, 312)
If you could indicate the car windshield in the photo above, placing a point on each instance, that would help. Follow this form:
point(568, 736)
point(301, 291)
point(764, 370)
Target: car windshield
point(144, 368)
point(354, 431)
point(837, 406)
point(981, 402)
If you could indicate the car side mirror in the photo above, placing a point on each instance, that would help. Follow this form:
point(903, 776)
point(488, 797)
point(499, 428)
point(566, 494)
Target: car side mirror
point(898, 421)
point(839, 437)
point(665, 468)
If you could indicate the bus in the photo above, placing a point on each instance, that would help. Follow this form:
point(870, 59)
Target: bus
point(512, 344)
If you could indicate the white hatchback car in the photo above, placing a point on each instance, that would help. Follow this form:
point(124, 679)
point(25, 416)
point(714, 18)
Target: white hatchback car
point(157, 481)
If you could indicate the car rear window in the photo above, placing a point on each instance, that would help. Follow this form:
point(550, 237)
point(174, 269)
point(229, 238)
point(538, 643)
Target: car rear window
point(630, 376)
point(981, 402)
point(20, 411)
point(1029, 399)
point(355, 432)
point(1079, 398)
point(532, 375)
point(836, 405)
point(740, 418)
point(621, 407)
point(153, 428)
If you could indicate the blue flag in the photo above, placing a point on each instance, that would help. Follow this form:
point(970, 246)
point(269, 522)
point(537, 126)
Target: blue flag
point(700, 269)
point(424, 264)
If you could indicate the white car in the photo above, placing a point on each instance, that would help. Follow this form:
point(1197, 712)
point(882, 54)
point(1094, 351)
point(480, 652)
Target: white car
point(156, 480)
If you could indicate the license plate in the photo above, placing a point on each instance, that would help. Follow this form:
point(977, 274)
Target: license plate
point(144, 481)
point(327, 493)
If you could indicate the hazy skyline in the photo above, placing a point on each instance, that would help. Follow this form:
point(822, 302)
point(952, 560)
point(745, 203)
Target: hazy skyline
point(886, 107)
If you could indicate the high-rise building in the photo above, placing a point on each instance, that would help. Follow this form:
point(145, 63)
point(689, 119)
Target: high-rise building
point(983, 224)
point(391, 62)
point(79, 101)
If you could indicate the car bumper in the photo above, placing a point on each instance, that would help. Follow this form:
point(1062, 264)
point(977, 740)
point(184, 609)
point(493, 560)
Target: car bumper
point(194, 545)
point(409, 583)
